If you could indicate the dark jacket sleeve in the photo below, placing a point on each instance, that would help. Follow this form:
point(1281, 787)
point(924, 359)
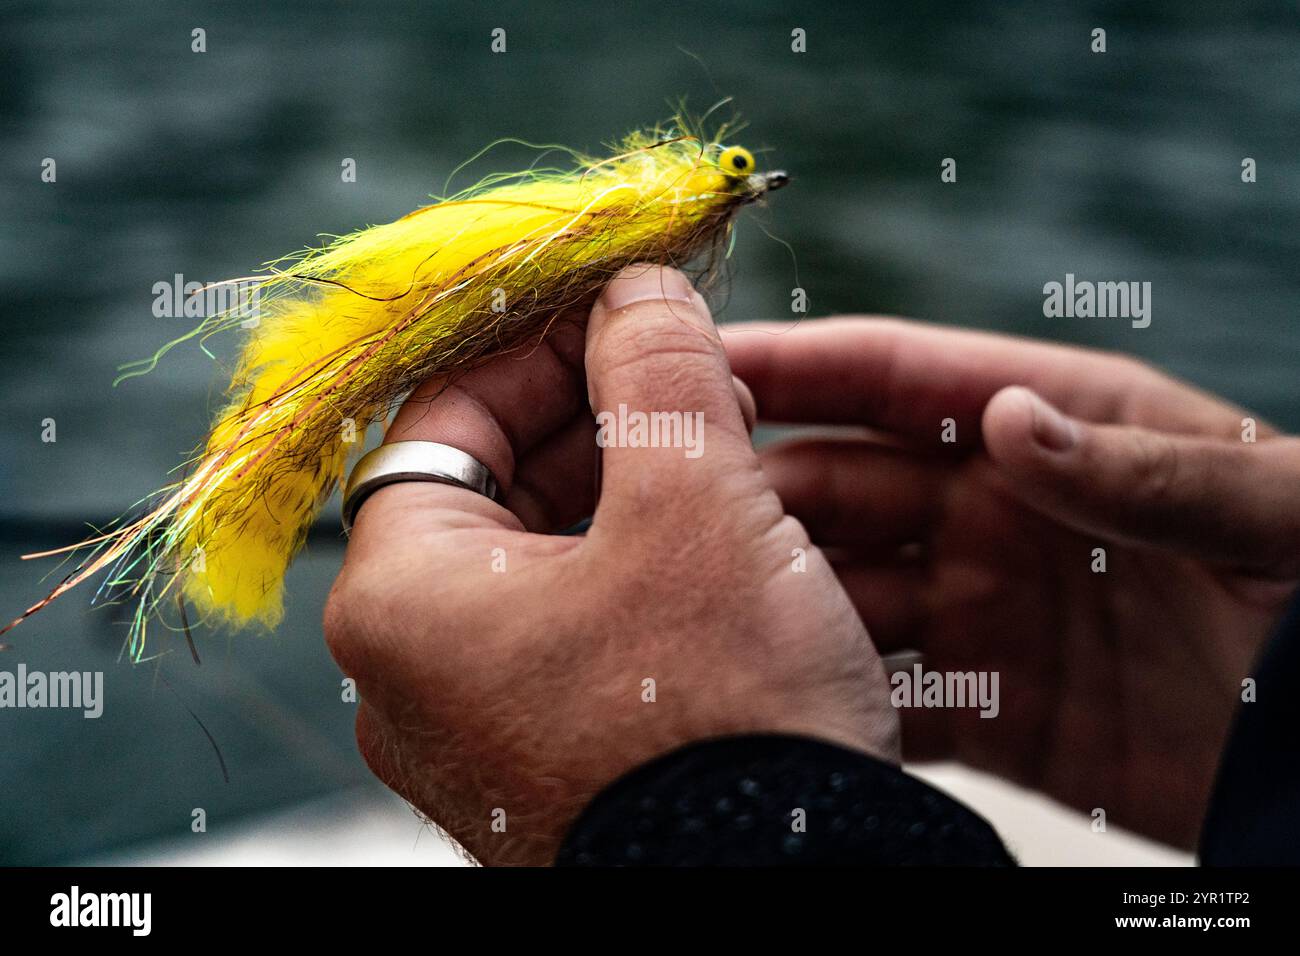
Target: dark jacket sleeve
point(1254, 816)
point(775, 800)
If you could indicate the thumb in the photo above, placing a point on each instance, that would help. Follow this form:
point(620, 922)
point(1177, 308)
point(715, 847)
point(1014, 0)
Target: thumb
point(1223, 501)
point(670, 424)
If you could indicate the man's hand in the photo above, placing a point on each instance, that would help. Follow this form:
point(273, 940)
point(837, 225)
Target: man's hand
point(1117, 686)
point(505, 672)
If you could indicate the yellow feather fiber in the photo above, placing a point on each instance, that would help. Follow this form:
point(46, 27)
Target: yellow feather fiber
point(345, 331)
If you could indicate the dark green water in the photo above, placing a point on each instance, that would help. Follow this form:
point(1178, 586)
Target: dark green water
point(1121, 166)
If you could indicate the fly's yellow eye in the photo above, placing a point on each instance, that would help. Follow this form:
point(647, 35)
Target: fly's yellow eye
point(737, 161)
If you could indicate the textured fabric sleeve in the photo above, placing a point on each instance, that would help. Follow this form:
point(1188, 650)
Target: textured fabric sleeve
point(1254, 815)
point(775, 800)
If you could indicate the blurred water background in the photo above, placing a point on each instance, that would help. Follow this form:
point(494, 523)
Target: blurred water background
point(1122, 166)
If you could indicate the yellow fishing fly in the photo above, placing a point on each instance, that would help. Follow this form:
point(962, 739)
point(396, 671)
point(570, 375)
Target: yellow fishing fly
point(346, 330)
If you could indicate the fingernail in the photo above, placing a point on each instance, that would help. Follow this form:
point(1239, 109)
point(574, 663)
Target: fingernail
point(1051, 429)
point(645, 283)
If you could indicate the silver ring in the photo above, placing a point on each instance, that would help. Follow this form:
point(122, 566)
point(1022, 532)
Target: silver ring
point(415, 461)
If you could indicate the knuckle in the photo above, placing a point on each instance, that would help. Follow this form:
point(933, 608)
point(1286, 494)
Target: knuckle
point(337, 628)
point(344, 623)
point(1156, 465)
point(647, 345)
point(377, 616)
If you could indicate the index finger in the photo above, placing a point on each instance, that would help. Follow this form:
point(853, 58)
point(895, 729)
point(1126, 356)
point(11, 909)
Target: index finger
point(498, 414)
point(907, 377)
